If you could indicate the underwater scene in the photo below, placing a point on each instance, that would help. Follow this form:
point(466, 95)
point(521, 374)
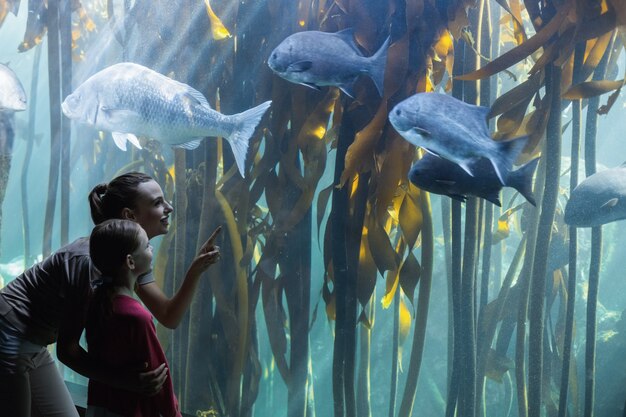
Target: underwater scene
point(422, 202)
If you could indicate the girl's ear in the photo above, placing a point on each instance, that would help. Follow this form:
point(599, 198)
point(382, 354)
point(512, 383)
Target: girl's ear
point(130, 262)
point(128, 214)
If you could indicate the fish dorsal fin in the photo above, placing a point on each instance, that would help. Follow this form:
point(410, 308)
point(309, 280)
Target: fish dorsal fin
point(611, 203)
point(198, 96)
point(190, 92)
point(347, 35)
point(300, 66)
point(191, 145)
point(120, 140)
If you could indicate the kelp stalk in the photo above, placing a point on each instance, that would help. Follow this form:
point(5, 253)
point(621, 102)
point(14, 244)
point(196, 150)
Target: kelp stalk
point(393, 388)
point(201, 309)
point(297, 266)
point(591, 130)
point(446, 226)
point(65, 37)
point(456, 374)
point(540, 262)
point(467, 393)
point(573, 237)
point(353, 246)
point(34, 82)
point(339, 214)
point(455, 378)
point(54, 71)
point(180, 213)
point(423, 300)
point(467, 397)
point(364, 393)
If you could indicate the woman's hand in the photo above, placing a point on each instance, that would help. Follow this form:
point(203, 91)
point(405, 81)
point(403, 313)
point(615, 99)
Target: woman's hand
point(208, 255)
point(151, 382)
point(143, 382)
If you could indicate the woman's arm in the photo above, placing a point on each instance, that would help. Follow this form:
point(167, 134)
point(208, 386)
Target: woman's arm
point(169, 311)
point(73, 355)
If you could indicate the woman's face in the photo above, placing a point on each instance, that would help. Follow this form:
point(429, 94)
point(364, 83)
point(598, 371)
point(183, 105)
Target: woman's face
point(151, 209)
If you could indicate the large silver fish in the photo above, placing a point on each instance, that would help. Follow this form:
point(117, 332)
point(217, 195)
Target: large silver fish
point(599, 199)
point(440, 176)
point(12, 94)
point(318, 59)
point(454, 130)
point(131, 100)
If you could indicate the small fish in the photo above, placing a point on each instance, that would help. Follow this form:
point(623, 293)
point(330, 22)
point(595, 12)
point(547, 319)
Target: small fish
point(440, 176)
point(454, 130)
point(599, 199)
point(12, 94)
point(316, 59)
point(131, 100)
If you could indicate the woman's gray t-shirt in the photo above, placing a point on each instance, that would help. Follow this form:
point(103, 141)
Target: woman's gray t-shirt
point(56, 289)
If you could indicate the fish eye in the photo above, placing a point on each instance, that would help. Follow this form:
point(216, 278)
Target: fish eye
point(398, 112)
point(274, 55)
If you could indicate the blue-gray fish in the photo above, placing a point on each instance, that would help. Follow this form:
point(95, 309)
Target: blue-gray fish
point(599, 199)
point(440, 176)
point(12, 94)
point(318, 59)
point(131, 100)
point(454, 130)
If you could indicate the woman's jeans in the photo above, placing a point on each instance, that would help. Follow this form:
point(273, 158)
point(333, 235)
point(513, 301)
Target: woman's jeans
point(30, 383)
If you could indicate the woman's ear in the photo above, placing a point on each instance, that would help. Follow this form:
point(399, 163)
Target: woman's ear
point(128, 214)
point(130, 262)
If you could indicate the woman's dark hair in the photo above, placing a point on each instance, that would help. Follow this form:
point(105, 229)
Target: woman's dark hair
point(106, 201)
point(109, 244)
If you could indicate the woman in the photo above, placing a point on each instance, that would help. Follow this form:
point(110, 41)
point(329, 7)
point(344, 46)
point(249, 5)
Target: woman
point(120, 331)
point(48, 303)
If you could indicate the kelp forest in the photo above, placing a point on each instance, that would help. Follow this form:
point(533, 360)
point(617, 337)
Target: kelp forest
point(420, 305)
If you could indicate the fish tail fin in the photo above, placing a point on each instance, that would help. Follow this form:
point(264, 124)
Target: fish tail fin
point(522, 180)
point(378, 64)
point(245, 123)
point(507, 153)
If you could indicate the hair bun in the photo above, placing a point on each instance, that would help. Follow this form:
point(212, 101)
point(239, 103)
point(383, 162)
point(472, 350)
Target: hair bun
point(101, 189)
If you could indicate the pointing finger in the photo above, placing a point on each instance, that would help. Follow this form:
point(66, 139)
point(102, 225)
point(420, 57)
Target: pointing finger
point(215, 233)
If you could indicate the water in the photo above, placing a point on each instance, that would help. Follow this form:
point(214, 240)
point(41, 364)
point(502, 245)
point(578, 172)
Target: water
point(230, 357)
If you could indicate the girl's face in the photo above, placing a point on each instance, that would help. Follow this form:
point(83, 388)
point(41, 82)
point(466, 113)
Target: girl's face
point(142, 256)
point(151, 209)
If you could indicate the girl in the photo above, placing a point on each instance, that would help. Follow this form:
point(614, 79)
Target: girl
point(120, 331)
point(48, 303)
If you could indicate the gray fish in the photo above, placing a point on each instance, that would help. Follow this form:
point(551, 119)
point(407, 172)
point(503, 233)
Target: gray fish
point(454, 130)
point(131, 100)
point(599, 199)
point(440, 176)
point(318, 59)
point(12, 94)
